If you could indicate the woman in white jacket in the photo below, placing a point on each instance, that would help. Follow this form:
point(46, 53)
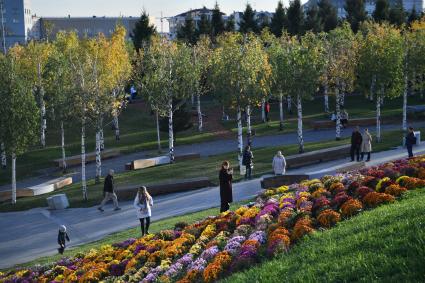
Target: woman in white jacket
point(279, 164)
point(143, 203)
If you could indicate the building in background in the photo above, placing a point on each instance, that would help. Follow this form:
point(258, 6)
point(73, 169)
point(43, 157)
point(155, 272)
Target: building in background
point(16, 21)
point(84, 26)
point(370, 6)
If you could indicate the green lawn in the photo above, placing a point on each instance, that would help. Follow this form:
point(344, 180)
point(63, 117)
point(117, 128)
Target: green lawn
point(386, 244)
point(204, 167)
point(156, 226)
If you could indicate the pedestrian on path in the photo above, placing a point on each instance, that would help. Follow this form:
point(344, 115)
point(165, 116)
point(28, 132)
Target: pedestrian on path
point(344, 118)
point(143, 204)
point(267, 111)
point(356, 143)
point(366, 144)
point(279, 164)
point(410, 141)
point(226, 194)
point(247, 162)
point(108, 192)
point(62, 238)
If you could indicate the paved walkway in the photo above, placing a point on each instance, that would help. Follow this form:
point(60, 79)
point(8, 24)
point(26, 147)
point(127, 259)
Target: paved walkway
point(205, 149)
point(28, 235)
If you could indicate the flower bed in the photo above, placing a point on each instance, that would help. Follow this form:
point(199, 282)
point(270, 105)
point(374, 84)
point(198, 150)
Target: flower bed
point(211, 249)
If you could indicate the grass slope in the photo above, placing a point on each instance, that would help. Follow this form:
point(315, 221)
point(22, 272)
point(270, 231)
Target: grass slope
point(386, 244)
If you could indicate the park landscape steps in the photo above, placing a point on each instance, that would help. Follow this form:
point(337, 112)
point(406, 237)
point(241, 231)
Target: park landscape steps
point(83, 223)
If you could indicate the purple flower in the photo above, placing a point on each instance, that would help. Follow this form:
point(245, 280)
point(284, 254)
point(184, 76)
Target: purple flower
point(138, 249)
point(210, 253)
point(259, 236)
point(198, 264)
point(125, 244)
point(186, 259)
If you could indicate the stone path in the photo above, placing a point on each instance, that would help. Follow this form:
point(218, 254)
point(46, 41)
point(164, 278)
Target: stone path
point(28, 235)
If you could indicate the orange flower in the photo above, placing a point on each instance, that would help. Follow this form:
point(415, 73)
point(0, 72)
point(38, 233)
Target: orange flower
point(284, 217)
point(302, 227)
point(336, 188)
point(213, 271)
point(373, 199)
point(351, 207)
point(328, 218)
point(395, 190)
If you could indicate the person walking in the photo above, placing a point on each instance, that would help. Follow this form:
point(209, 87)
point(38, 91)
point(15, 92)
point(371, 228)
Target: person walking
point(108, 192)
point(226, 194)
point(356, 143)
point(366, 144)
point(279, 164)
point(344, 118)
point(62, 238)
point(143, 204)
point(410, 141)
point(247, 161)
point(267, 111)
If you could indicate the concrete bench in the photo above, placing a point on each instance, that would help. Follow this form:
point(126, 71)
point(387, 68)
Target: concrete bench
point(326, 124)
point(416, 109)
point(277, 181)
point(129, 192)
point(90, 157)
point(317, 156)
point(58, 201)
point(37, 190)
point(161, 160)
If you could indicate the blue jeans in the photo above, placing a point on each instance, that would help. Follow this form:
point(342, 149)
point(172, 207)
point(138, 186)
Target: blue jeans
point(248, 172)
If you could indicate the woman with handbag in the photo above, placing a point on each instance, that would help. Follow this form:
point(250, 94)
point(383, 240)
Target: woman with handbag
point(143, 204)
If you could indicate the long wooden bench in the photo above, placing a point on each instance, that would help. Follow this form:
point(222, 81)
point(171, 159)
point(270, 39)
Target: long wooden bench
point(90, 157)
point(326, 124)
point(277, 181)
point(37, 190)
point(161, 160)
point(317, 156)
point(129, 192)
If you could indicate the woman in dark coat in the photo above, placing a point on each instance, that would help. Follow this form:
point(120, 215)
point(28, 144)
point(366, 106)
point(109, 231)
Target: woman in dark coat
point(226, 195)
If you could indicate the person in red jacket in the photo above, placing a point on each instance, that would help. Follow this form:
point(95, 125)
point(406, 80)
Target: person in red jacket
point(267, 111)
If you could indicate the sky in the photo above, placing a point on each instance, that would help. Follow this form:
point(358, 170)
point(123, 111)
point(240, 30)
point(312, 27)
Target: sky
point(76, 8)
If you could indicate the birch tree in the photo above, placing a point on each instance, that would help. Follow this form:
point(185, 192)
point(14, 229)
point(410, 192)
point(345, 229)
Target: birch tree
point(18, 109)
point(381, 61)
point(162, 76)
point(305, 66)
point(240, 76)
point(37, 57)
point(341, 59)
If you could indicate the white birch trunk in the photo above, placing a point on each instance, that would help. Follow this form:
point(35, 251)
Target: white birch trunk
point(43, 122)
point(117, 127)
point(263, 110)
point(300, 124)
point(200, 122)
point(372, 87)
point(248, 123)
point(326, 97)
point(3, 156)
point(63, 148)
point(338, 114)
point(378, 117)
point(83, 161)
point(342, 96)
point(170, 130)
point(158, 133)
point(281, 111)
point(289, 100)
point(404, 123)
point(102, 138)
point(13, 178)
point(240, 139)
point(192, 98)
point(98, 158)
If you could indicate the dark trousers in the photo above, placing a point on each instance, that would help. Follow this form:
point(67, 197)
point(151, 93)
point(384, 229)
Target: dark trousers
point(410, 150)
point(267, 116)
point(62, 247)
point(224, 206)
point(142, 225)
point(368, 155)
point(248, 172)
point(355, 150)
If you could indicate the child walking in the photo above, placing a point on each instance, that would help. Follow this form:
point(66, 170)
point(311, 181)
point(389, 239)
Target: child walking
point(62, 237)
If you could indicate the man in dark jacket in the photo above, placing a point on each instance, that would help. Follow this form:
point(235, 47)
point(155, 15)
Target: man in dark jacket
point(108, 192)
point(226, 194)
point(410, 141)
point(356, 143)
point(247, 162)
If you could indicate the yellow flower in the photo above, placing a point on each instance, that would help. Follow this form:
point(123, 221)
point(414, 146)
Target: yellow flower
point(241, 210)
point(282, 189)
